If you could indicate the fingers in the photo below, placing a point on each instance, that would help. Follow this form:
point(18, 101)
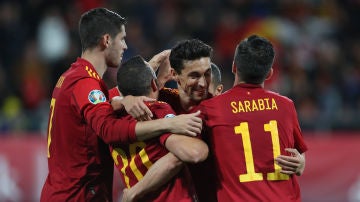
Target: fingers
point(287, 172)
point(187, 124)
point(289, 165)
point(147, 99)
point(158, 59)
point(138, 109)
point(286, 165)
point(293, 164)
point(141, 113)
point(195, 124)
point(144, 110)
point(197, 113)
point(293, 151)
point(290, 159)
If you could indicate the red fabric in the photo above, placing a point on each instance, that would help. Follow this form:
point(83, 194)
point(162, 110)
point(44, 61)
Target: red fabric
point(132, 167)
point(114, 92)
point(172, 97)
point(203, 174)
point(331, 173)
point(223, 116)
point(80, 126)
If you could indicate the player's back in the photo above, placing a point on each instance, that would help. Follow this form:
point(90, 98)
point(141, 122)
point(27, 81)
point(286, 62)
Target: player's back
point(135, 159)
point(249, 128)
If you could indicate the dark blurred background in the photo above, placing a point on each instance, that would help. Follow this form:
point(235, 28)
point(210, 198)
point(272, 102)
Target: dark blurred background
point(317, 65)
point(317, 41)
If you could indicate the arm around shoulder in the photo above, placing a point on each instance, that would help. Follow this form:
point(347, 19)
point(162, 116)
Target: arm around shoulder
point(186, 124)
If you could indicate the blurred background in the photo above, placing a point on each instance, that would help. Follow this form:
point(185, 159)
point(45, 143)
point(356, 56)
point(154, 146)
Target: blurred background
point(317, 65)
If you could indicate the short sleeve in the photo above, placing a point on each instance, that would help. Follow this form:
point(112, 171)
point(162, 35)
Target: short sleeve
point(88, 92)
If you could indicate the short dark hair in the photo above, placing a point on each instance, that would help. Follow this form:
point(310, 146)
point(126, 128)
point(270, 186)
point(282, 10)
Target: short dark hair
point(95, 23)
point(254, 57)
point(134, 77)
point(190, 49)
point(216, 74)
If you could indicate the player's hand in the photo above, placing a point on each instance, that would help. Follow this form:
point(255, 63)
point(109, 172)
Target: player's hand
point(164, 72)
point(116, 103)
point(158, 59)
point(186, 124)
point(135, 106)
point(294, 164)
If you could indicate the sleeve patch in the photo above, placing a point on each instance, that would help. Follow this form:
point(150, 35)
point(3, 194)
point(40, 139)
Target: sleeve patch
point(169, 116)
point(96, 96)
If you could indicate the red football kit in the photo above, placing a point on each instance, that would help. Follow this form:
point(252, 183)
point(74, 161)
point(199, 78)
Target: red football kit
point(134, 160)
point(248, 127)
point(81, 124)
point(203, 173)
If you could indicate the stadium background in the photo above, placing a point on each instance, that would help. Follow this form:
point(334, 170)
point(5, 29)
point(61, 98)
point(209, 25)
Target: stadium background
point(317, 65)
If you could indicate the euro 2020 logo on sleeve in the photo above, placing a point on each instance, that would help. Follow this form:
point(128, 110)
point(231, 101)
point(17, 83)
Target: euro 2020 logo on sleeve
point(96, 96)
point(169, 116)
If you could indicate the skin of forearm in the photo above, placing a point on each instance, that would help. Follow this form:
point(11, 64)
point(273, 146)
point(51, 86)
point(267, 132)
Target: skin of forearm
point(187, 149)
point(159, 174)
point(149, 129)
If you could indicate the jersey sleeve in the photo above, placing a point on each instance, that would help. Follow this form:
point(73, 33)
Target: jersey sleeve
point(92, 103)
point(163, 110)
point(113, 93)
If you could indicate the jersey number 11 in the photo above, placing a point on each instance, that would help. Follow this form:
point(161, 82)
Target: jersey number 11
point(251, 175)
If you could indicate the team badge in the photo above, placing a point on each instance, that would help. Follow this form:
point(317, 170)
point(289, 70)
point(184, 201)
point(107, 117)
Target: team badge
point(96, 96)
point(169, 116)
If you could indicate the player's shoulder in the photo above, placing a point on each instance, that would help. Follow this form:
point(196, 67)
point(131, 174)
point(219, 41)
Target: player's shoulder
point(219, 98)
point(169, 91)
point(157, 104)
point(280, 97)
point(84, 69)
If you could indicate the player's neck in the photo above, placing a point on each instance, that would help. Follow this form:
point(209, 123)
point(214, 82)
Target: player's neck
point(186, 103)
point(238, 81)
point(96, 60)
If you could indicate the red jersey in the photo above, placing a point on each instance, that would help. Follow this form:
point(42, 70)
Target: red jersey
point(134, 160)
point(203, 173)
point(81, 124)
point(248, 128)
point(171, 96)
point(114, 92)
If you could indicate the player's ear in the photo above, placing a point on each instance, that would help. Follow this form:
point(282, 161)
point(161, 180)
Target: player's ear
point(219, 89)
point(233, 70)
point(174, 75)
point(105, 41)
point(154, 86)
point(268, 76)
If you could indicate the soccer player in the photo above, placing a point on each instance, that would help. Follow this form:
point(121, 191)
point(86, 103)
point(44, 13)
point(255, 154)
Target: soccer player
point(191, 69)
point(254, 133)
point(133, 160)
point(81, 121)
point(215, 87)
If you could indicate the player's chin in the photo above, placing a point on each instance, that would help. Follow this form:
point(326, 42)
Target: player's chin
point(199, 97)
